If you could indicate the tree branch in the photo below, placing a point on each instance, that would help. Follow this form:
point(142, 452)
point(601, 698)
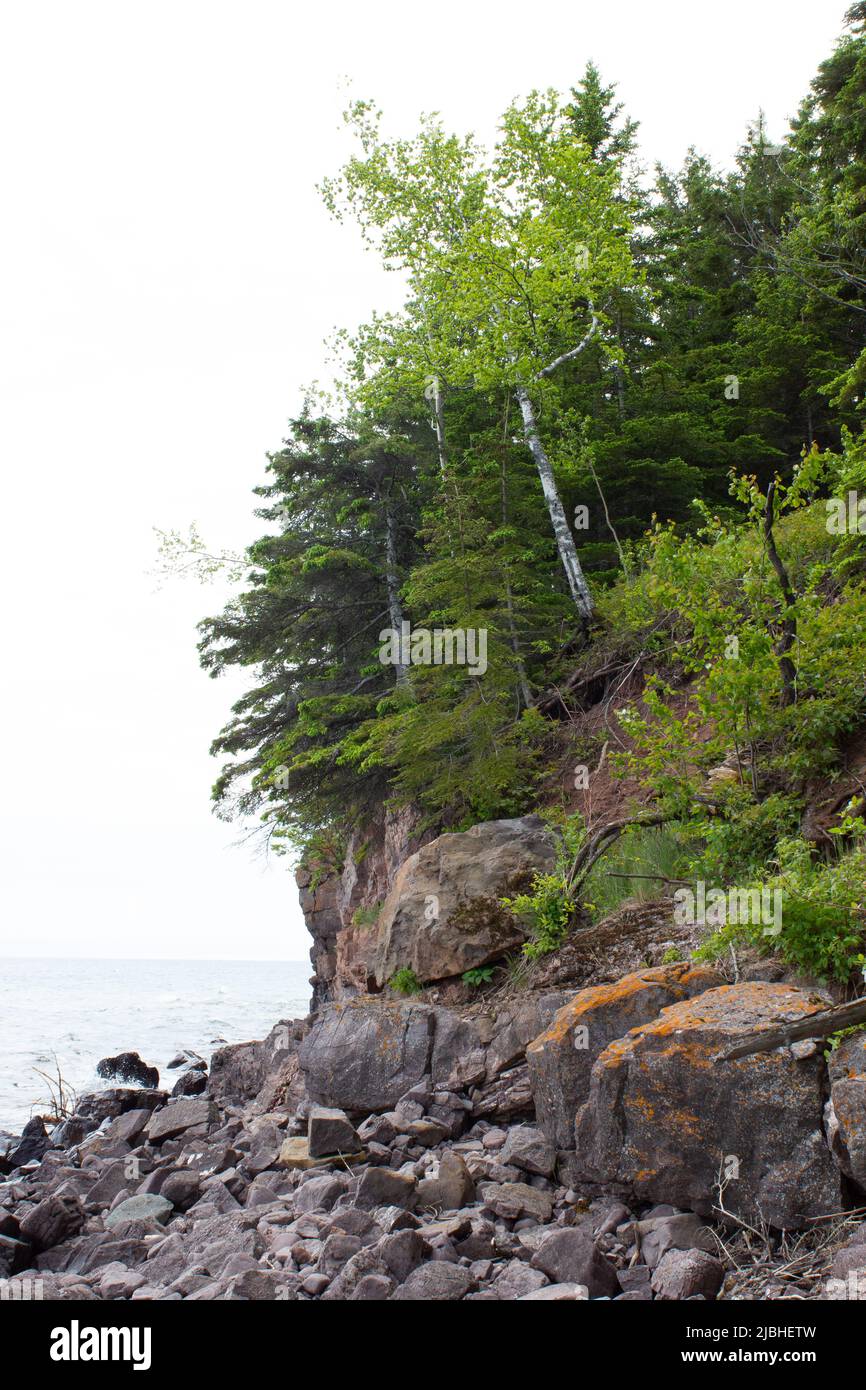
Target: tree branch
point(574, 352)
point(820, 1025)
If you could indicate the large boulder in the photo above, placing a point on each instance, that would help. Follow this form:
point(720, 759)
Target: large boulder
point(560, 1061)
point(240, 1071)
point(443, 914)
point(667, 1121)
point(847, 1116)
point(365, 1054)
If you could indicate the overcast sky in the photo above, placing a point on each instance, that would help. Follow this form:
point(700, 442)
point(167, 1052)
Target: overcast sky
point(168, 276)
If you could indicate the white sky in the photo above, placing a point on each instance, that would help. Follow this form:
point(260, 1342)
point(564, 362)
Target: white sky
point(167, 278)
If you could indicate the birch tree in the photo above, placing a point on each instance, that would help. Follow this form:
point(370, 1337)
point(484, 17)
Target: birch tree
point(511, 259)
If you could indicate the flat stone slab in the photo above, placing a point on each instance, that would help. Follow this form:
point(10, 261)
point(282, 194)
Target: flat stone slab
point(147, 1206)
point(180, 1115)
point(295, 1153)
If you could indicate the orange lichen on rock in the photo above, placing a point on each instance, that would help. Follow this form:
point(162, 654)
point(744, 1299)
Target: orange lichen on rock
point(663, 1113)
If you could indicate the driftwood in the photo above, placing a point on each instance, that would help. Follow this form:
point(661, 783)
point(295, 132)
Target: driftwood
point(820, 1025)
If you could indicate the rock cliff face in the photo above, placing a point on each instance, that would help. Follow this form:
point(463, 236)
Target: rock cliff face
point(341, 904)
point(433, 908)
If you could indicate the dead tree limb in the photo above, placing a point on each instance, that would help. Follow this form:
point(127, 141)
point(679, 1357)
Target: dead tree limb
point(820, 1025)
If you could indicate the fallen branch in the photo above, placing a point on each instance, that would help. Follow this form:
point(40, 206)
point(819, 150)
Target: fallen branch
point(820, 1025)
point(656, 878)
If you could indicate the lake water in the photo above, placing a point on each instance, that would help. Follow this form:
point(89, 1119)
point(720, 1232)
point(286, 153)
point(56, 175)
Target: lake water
point(83, 1010)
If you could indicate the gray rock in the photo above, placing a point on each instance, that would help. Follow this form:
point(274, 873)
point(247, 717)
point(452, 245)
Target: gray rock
point(182, 1188)
point(428, 1133)
point(443, 914)
point(365, 1263)
point(402, 1252)
point(107, 1187)
point(527, 1148)
point(34, 1142)
point(434, 1282)
point(451, 1189)
point(376, 1129)
point(147, 1207)
point(180, 1115)
point(373, 1288)
point(634, 1278)
point(314, 1284)
point(365, 1054)
point(15, 1255)
point(382, 1187)
point(848, 1097)
point(329, 1132)
point(190, 1083)
point(687, 1273)
point(516, 1279)
point(259, 1286)
point(53, 1220)
point(240, 1071)
point(680, 1232)
point(570, 1257)
point(127, 1127)
point(128, 1066)
point(319, 1193)
point(512, 1200)
point(337, 1250)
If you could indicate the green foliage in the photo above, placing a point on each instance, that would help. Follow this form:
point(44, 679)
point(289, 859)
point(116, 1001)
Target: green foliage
point(836, 1038)
point(405, 981)
point(546, 912)
point(481, 975)
point(366, 916)
point(727, 339)
point(722, 601)
point(654, 851)
point(823, 914)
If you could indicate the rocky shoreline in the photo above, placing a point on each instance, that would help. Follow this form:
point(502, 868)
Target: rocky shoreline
point(444, 1184)
point(567, 1141)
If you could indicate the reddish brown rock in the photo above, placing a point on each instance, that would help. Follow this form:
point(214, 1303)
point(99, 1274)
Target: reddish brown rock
point(665, 1119)
point(560, 1061)
point(847, 1127)
point(443, 914)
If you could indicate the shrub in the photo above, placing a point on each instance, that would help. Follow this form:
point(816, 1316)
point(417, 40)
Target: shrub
point(481, 975)
point(823, 914)
point(405, 981)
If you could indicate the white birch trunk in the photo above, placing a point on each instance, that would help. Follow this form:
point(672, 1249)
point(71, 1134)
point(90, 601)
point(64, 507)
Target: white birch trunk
point(439, 427)
point(392, 581)
point(577, 584)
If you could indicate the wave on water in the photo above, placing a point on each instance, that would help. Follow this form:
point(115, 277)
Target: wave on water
point(68, 1014)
